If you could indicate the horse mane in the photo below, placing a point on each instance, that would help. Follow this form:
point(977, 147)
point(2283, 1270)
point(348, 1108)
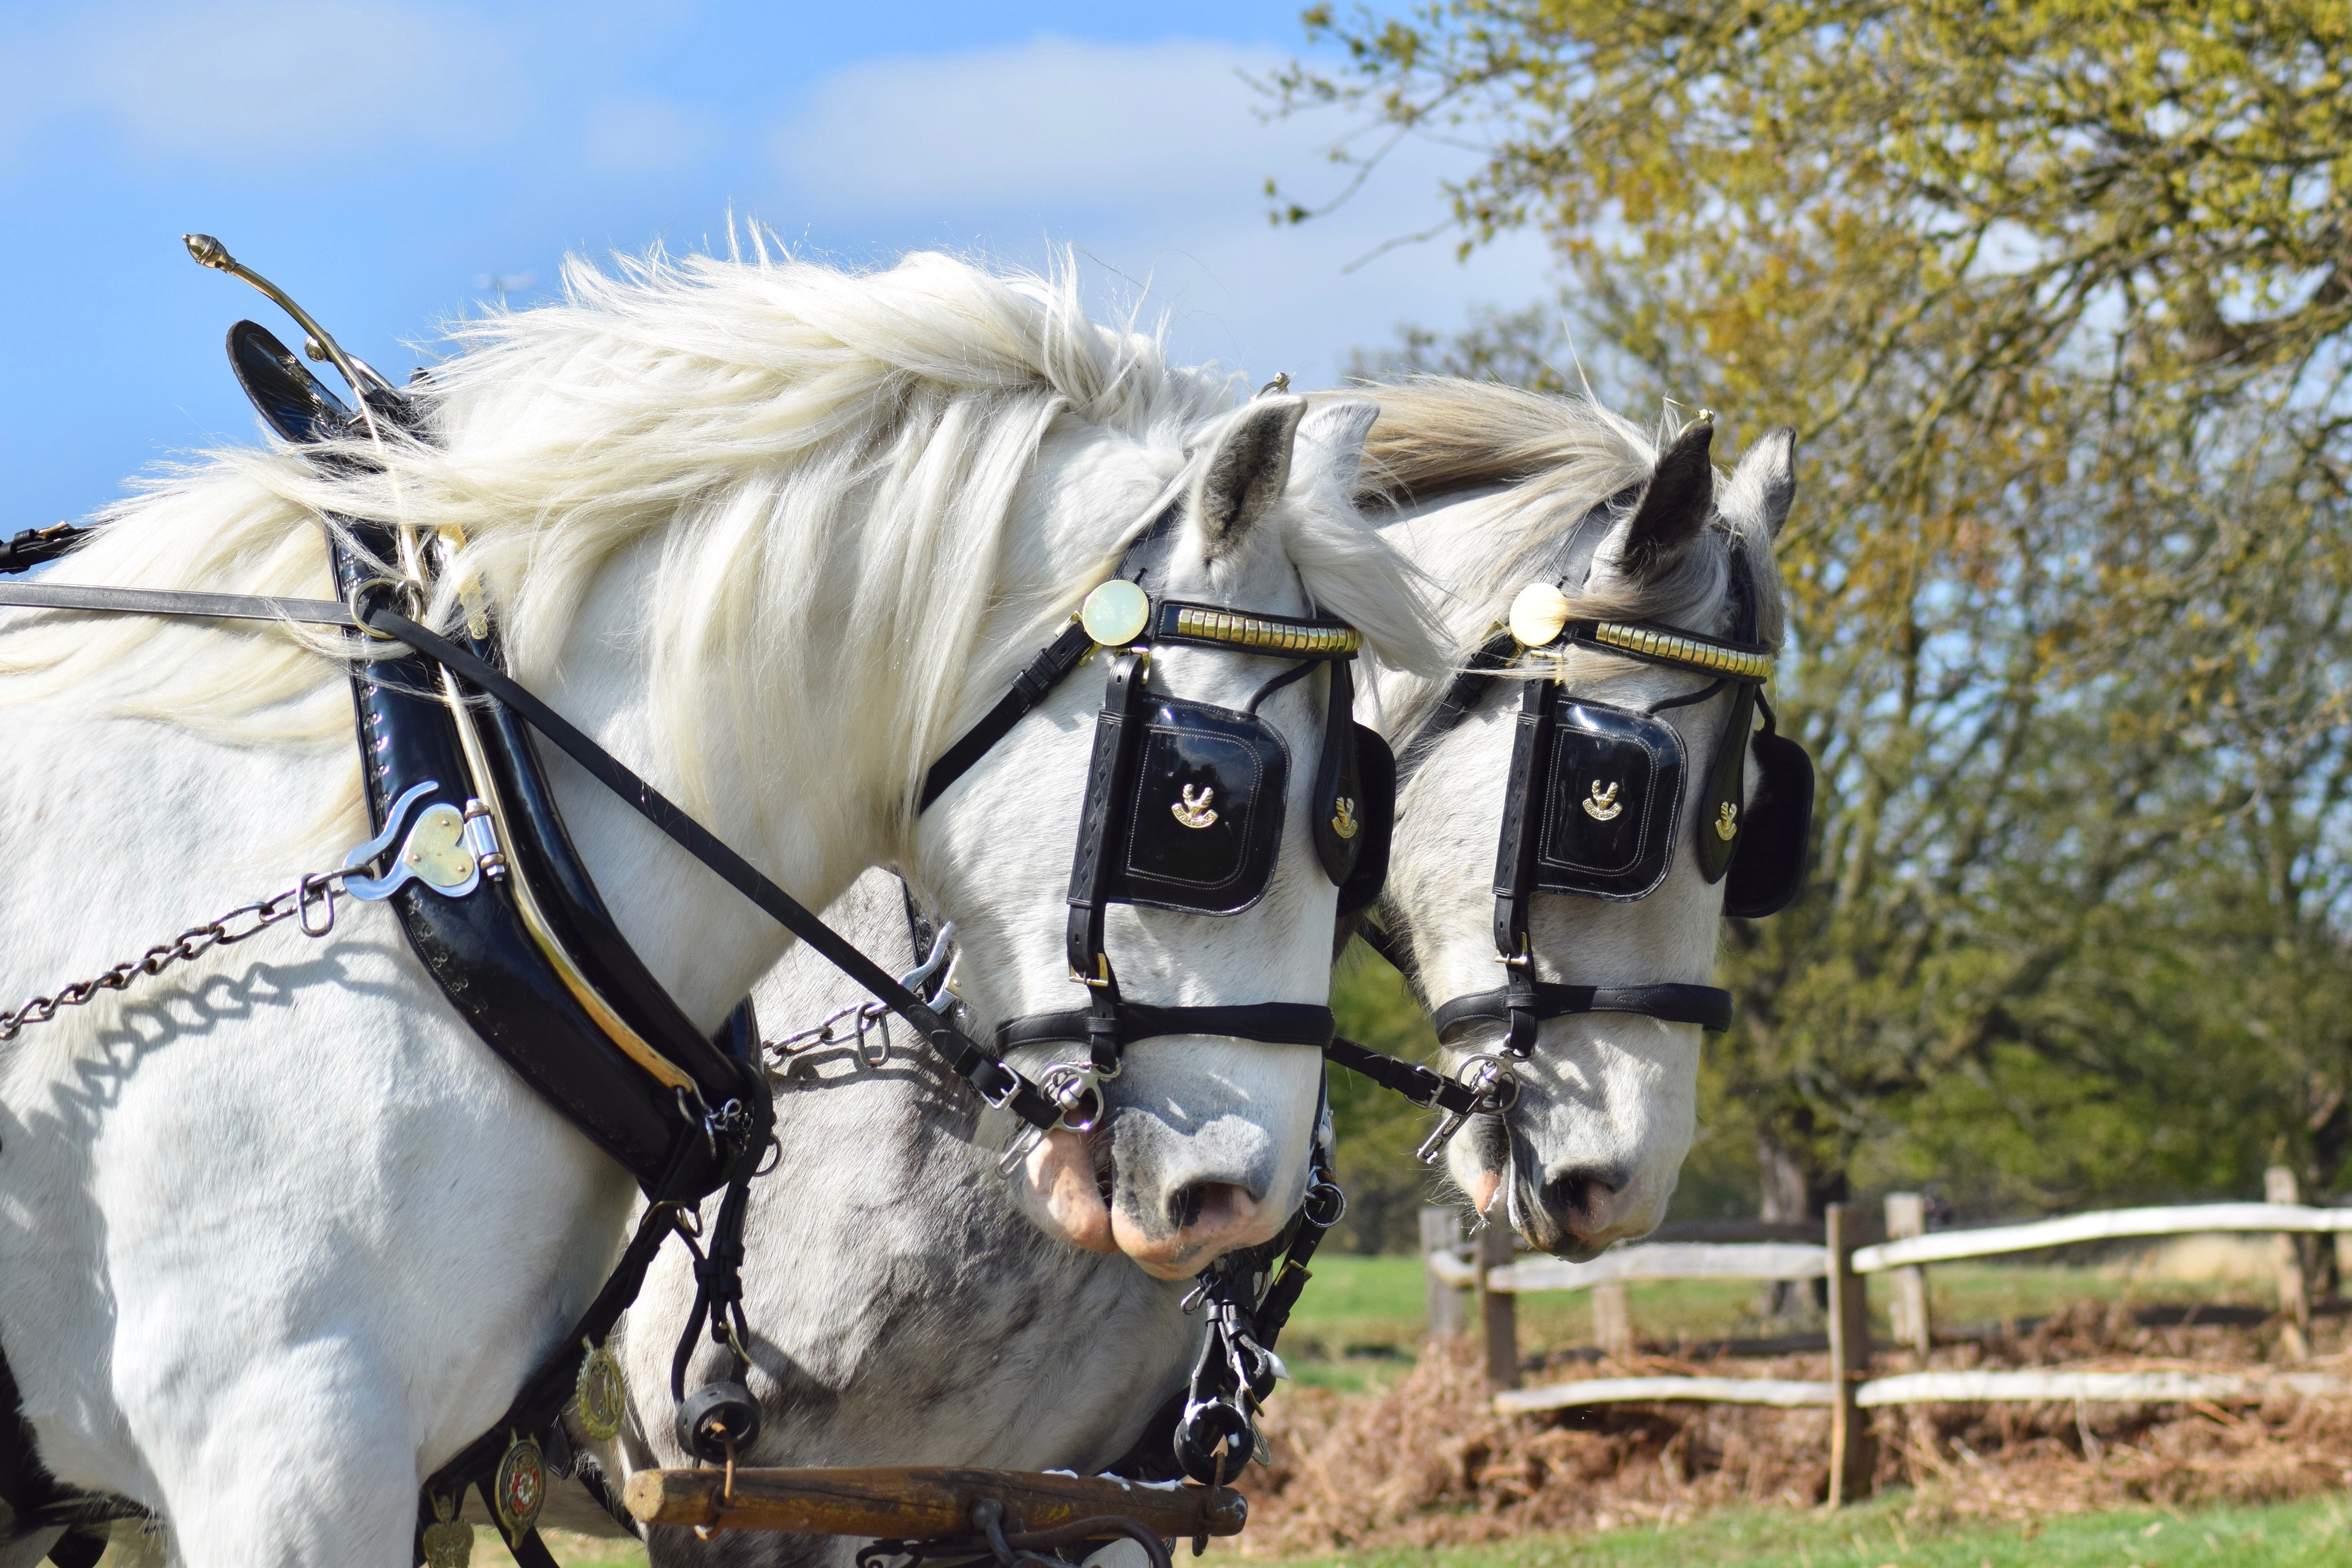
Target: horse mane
point(785, 450)
point(1542, 460)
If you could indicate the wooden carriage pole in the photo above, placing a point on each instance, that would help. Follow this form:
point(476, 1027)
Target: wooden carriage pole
point(1497, 1244)
point(1441, 1233)
point(1853, 1453)
point(1906, 1214)
point(2294, 1291)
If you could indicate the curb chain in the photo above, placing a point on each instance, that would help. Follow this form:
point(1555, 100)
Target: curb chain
point(310, 901)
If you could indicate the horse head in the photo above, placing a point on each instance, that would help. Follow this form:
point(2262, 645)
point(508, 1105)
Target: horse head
point(1624, 884)
point(1196, 1140)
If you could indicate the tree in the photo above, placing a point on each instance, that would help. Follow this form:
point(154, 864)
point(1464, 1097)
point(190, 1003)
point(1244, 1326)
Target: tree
point(2058, 296)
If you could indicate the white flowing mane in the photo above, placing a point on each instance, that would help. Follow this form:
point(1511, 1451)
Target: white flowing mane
point(1543, 460)
point(789, 450)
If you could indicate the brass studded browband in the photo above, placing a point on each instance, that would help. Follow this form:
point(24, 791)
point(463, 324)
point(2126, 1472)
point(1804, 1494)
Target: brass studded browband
point(1300, 639)
point(1741, 663)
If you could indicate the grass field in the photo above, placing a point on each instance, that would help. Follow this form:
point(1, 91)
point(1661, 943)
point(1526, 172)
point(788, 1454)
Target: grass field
point(1874, 1535)
point(1877, 1536)
point(1361, 1316)
point(1359, 1324)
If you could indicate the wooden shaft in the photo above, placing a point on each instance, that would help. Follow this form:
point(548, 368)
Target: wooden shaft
point(900, 1504)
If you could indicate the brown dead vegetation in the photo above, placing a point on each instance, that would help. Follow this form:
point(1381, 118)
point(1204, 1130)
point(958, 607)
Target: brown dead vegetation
point(1427, 1461)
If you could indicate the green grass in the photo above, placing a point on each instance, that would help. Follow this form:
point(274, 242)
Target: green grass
point(1874, 1535)
point(1376, 1304)
point(1877, 1536)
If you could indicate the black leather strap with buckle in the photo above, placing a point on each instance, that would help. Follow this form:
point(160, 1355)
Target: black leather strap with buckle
point(1268, 1023)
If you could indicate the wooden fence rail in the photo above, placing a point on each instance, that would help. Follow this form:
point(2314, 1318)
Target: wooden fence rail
point(1781, 1251)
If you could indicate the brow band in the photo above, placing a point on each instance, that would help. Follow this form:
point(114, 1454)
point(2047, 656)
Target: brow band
point(1271, 634)
point(1676, 647)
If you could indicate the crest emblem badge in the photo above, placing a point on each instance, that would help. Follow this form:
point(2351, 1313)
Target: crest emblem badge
point(520, 1489)
point(447, 1543)
point(1194, 810)
point(1727, 821)
point(602, 1395)
point(1343, 818)
point(1602, 804)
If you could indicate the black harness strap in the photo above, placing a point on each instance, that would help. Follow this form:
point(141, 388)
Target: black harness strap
point(1426, 1086)
point(999, 1084)
point(1670, 1003)
point(33, 546)
point(1090, 865)
point(1051, 666)
point(1268, 1023)
point(996, 1083)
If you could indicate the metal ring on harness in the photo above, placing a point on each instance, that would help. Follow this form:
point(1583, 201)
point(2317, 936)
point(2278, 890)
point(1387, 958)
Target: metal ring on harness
point(359, 599)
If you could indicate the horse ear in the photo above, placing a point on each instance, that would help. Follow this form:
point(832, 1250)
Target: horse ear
point(1764, 482)
point(1676, 506)
point(1245, 472)
point(1336, 428)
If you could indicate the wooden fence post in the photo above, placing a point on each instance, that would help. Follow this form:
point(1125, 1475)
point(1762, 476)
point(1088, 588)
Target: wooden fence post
point(2294, 1298)
point(1441, 1233)
point(1612, 1318)
point(1498, 1309)
point(1853, 1453)
point(1906, 1214)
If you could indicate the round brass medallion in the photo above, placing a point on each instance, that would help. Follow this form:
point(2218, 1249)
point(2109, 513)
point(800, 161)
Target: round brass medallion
point(1115, 613)
point(1537, 615)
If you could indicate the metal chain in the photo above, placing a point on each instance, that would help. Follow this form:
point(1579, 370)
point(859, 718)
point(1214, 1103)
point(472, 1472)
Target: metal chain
point(870, 1016)
point(310, 901)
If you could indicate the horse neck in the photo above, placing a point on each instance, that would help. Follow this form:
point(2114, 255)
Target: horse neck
point(815, 813)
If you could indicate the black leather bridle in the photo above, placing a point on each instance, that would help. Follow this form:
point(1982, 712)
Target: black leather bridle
point(1486, 1082)
point(1099, 875)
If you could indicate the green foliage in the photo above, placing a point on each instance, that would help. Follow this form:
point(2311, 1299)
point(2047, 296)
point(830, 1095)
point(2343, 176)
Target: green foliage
point(1378, 1131)
point(2059, 297)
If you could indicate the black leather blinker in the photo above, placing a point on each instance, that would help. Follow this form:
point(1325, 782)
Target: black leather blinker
point(1612, 794)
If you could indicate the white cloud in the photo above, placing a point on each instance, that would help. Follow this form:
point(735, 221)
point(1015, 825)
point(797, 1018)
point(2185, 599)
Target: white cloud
point(1151, 160)
point(291, 83)
point(1050, 123)
point(644, 135)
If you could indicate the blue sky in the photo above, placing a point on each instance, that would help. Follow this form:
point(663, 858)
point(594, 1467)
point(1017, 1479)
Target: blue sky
point(378, 157)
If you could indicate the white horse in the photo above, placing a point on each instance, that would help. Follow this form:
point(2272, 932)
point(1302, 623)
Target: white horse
point(1492, 481)
point(278, 1235)
point(909, 1317)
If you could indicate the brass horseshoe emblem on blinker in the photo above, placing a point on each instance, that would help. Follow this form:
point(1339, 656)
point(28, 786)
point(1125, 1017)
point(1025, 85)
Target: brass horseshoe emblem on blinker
point(1343, 818)
point(1601, 806)
point(1193, 810)
point(1727, 821)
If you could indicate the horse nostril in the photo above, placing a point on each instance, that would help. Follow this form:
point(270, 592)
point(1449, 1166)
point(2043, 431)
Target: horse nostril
point(1581, 1189)
point(1219, 1205)
point(1186, 1204)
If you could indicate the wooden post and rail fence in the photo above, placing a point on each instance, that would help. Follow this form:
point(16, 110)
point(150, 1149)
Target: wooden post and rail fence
point(1836, 1251)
